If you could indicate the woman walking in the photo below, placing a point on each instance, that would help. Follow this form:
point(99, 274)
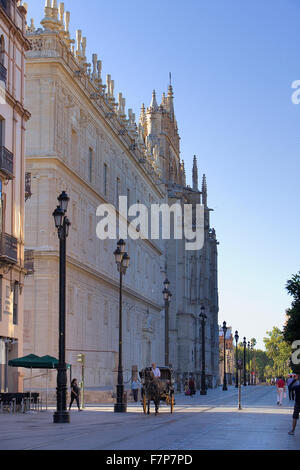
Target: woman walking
point(75, 392)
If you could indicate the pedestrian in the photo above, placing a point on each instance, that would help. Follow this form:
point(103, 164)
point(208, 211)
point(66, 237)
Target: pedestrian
point(296, 388)
point(75, 392)
point(280, 385)
point(192, 386)
point(135, 389)
point(186, 388)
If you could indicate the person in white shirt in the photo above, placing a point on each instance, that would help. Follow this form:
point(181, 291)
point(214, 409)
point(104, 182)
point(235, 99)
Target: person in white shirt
point(155, 370)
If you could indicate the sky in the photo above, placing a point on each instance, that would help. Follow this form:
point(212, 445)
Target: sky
point(233, 63)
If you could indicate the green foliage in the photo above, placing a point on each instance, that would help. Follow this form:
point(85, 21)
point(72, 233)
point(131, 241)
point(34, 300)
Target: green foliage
point(278, 350)
point(264, 365)
point(291, 330)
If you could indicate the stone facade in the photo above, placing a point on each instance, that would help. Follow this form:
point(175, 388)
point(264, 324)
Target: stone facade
point(13, 118)
point(77, 142)
point(81, 140)
point(192, 274)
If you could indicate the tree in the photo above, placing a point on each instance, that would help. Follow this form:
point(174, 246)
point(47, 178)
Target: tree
point(264, 365)
point(291, 330)
point(278, 350)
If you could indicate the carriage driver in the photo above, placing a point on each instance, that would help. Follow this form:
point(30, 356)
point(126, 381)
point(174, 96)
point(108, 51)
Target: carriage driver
point(156, 371)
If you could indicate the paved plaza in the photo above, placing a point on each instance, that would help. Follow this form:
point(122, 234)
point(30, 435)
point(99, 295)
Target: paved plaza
point(202, 422)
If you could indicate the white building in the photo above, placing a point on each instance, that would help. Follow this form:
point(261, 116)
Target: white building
point(81, 140)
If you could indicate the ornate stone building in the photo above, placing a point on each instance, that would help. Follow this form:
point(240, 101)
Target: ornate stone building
point(192, 274)
point(13, 118)
point(80, 139)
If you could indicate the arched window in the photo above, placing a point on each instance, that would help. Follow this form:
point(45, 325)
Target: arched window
point(2, 49)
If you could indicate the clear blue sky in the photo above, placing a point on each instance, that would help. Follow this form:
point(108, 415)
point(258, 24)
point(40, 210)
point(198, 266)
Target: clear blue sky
point(232, 63)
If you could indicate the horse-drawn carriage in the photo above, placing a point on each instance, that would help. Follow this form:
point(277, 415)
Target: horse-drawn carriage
point(157, 390)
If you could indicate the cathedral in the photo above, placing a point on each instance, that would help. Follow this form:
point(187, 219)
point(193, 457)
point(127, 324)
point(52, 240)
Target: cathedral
point(80, 139)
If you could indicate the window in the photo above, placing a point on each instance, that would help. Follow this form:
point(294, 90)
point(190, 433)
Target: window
point(90, 307)
point(2, 50)
point(105, 179)
point(2, 132)
point(128, 199)
point(90, 163)
point(105, 316)
point(74, 147)
point(0, 298)
point(15, 302)
point(118, 187)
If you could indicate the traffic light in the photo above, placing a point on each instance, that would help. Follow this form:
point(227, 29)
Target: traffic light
point(81, 358)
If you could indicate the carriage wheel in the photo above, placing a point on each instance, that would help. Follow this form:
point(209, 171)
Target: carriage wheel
point(144, 404)
point(172, 403)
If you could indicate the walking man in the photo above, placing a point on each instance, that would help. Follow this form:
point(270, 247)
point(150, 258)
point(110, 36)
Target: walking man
point(296, 388)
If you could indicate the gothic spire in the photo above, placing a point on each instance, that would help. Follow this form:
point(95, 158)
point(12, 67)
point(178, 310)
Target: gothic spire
point(154, 104)
point(195, 174)
point(170, 101)
point(204, 191)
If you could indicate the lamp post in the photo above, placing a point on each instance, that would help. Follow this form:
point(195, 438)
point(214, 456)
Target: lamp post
point(62, 223)
point(248, 375)
point(122, 261)
point(244, 343)
point(167, 298)
point(251, 368)
point(236, 337)
point(254, 375)
point(225, 379)
point(203, 317)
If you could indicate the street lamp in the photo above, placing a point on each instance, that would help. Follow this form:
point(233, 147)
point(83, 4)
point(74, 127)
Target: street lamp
point(62, 223)
point(203, 317)
point(167, 298)
point(245, 343)
point(122, 261)
point(248, 366)
point(236, 337)
point(224, 328)
point(251, 368)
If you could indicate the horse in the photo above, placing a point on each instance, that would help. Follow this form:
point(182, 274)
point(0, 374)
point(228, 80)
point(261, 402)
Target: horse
point(151, 391)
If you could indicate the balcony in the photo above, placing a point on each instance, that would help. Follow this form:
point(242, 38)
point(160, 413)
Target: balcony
point(8, 249)
point(3, 73)
point(6, 163)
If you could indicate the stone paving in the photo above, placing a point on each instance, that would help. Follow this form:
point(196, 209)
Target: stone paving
point(211, 422)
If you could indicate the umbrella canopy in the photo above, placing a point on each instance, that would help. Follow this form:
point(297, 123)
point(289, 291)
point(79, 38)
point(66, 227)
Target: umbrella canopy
point(35, 362)
point(26, 361)
point(49, 362)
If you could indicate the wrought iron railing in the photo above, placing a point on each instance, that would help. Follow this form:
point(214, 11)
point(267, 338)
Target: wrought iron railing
point(6, 162)
point(8, 248)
